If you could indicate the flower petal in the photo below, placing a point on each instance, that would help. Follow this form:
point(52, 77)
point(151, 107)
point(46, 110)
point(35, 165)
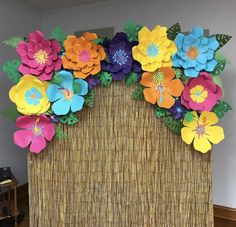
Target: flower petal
point(61, 107)
point(201, 144)
point(37, 145)
point(23, 138)
point(147, 80)
point(77, 103)
point(83, 86)
point(215, 134)
point(25, 122)
point(187, 134)
point(151, 95)
point(54, 92)
point(49, 132)
point(208, 118)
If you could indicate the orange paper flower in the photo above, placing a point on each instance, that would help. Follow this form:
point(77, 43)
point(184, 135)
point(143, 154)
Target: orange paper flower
point(162, 87)
point(82, 55)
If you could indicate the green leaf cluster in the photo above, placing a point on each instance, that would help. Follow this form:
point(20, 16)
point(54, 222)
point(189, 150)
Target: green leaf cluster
point(132, 30)
point(11, 70)
point(89, 99)
point(105, 78)
point(130, 79)
point(173, 31)
point(221, 108)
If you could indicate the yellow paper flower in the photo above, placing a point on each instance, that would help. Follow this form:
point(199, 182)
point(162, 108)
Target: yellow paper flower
point(202, 132)
point(154, 49)
point(29, 95)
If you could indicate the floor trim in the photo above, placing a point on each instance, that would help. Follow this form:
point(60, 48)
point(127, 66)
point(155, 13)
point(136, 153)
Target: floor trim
point(226, 213)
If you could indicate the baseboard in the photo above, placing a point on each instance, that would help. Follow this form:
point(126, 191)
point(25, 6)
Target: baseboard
point(225, 213)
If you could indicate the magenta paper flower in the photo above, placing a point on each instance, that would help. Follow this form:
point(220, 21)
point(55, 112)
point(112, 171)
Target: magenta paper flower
point(39, 56)
point(201, 93)
point(36, 130)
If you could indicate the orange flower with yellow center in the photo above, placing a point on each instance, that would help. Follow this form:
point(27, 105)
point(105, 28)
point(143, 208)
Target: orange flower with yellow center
point(161, 87)
point(82, 55)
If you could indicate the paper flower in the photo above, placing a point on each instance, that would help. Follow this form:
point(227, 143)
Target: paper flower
point(162, 87)
point(82, 55)
point(195, 52)
point(119, 52)
point(154, 49)
point(36, 130)
point(178, 110)
point(202, 132)
point(39, 56)
point(201, 93)
point(64, 97)
point(92, 81)
point(29, 95)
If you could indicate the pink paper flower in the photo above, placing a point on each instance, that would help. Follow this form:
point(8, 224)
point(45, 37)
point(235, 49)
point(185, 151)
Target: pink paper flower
point(201, 93)
point(39, 56)
point(36, 130)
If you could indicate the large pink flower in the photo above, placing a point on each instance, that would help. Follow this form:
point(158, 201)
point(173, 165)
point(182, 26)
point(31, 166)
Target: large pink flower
point(39, 56)
point(36, 130)
point(201, 93)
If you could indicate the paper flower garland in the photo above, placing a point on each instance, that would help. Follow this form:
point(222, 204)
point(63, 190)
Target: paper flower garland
point(179, 74)
point(39, 56)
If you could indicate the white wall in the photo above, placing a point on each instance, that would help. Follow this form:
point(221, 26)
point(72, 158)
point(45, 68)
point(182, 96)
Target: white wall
point(15, 19)
point(218, 16)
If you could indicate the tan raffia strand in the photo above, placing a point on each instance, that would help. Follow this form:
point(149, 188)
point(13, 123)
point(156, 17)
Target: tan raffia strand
point(120, 167)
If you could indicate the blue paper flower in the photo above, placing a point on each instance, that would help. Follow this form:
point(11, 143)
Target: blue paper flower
point(195, 52)
point(63, 96)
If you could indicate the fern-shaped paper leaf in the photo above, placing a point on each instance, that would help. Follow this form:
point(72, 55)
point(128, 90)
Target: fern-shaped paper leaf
point(89, 99)
point(69, 119)
point(173, 31)
point(13, 41)
point(174, 125)
point(138, 93)
point(221, 108)
point(11, 70)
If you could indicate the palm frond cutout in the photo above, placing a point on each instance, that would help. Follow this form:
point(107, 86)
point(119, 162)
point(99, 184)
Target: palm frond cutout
point(13, 41)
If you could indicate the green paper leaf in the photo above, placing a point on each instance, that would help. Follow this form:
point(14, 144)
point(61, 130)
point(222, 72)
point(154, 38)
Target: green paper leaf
point(219, 68)
point(221, 108)
point(217, 80)
point(189, 116)
point(130, 79)
point(222, 39)
point(89, 99)
point(219, 56)
point(11, 69)
point(174, 125)
point(76, 87)
point(57, 79)
point(60, 134)
point(11, 113)
point(13, 41)
point(98, 41)
point(105, 78)
point(132, 30)
point(69, 119)
point(161, 112)
point(58, 34)
point(138, 93)
point(179, 74)
point(173, 31)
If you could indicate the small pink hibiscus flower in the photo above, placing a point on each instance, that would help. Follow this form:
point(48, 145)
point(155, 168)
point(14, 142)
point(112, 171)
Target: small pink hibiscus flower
point(39, 56)
point(36, 130)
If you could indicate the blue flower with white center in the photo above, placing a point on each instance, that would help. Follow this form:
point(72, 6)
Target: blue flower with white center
point(63, 95)
point(195, 52)
point(33, 96)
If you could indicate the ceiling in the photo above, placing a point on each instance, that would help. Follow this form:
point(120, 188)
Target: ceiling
point(54, 4)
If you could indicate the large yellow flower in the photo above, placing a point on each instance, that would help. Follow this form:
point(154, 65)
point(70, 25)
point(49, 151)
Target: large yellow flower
point(154, 49)
point(202, 132)
point(29, 95)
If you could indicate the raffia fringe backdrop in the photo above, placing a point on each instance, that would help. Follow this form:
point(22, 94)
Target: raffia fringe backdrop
point(120, 167)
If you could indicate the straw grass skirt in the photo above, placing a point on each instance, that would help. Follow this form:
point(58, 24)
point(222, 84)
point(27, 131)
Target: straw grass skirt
point(120, 167)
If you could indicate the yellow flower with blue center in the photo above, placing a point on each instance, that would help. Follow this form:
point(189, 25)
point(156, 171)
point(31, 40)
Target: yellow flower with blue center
point(29, 95)
point(154, 49)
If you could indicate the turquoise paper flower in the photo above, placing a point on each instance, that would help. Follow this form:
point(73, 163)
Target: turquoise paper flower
point(195, 52)
point(63, 96)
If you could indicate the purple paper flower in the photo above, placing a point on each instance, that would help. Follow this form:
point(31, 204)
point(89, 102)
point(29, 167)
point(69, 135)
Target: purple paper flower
point(178, 110)
point(120, 61)
point(92, 81)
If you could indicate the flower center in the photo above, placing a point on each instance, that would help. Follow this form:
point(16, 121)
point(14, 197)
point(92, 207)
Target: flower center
point(41, 57)
point(158, 77)
point(160, 88)
point(84, 56)
point(36, 129)
point(33, 96)
point(198, 94)
point(152, 50)
point(192, 53)
point(68, 94)
point(200, 130)
point(120, 57)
